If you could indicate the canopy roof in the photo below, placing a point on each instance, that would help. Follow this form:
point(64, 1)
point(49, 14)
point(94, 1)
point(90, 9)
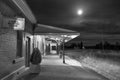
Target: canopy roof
point(55, 33)
point(45, 29)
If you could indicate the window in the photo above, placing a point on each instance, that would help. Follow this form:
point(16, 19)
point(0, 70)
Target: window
point(19, 44)
point(53, 47)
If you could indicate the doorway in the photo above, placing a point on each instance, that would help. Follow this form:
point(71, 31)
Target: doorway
point(53, 47)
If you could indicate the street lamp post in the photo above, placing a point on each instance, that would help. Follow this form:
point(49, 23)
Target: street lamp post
point(63, 52)
point(63, 40)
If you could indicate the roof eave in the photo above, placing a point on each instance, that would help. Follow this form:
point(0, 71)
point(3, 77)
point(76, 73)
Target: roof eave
point(22, 5)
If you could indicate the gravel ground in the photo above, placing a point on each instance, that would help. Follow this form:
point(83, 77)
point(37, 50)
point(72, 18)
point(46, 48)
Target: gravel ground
point(106, 68)
point(109, 69)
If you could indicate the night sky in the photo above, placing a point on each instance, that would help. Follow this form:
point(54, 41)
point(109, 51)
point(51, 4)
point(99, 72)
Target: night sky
point(100, 20)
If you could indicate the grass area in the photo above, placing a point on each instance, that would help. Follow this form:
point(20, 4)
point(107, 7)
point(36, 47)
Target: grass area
point(101, 54)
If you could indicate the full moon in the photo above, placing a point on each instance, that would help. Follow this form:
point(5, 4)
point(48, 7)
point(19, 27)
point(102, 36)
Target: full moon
point(80, 12)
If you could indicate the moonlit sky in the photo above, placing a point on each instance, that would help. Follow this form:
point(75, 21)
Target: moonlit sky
point(80, 12)
point(100, 20)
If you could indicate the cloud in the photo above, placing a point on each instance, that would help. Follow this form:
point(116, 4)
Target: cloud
point(92, 39)
point(100, 19)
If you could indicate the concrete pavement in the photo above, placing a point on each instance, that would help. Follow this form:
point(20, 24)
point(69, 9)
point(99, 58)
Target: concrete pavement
point(52, 68)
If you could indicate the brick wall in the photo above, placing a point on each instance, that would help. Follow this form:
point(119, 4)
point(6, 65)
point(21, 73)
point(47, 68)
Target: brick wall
point(8, 43)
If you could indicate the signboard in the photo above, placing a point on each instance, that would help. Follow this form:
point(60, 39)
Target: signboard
point(19, 24)
point(8, 22)
point(14, 23)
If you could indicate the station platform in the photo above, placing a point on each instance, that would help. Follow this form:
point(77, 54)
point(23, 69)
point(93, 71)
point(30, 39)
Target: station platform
point(53, 68)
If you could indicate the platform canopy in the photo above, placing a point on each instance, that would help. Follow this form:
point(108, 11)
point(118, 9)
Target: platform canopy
point(55, 33)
